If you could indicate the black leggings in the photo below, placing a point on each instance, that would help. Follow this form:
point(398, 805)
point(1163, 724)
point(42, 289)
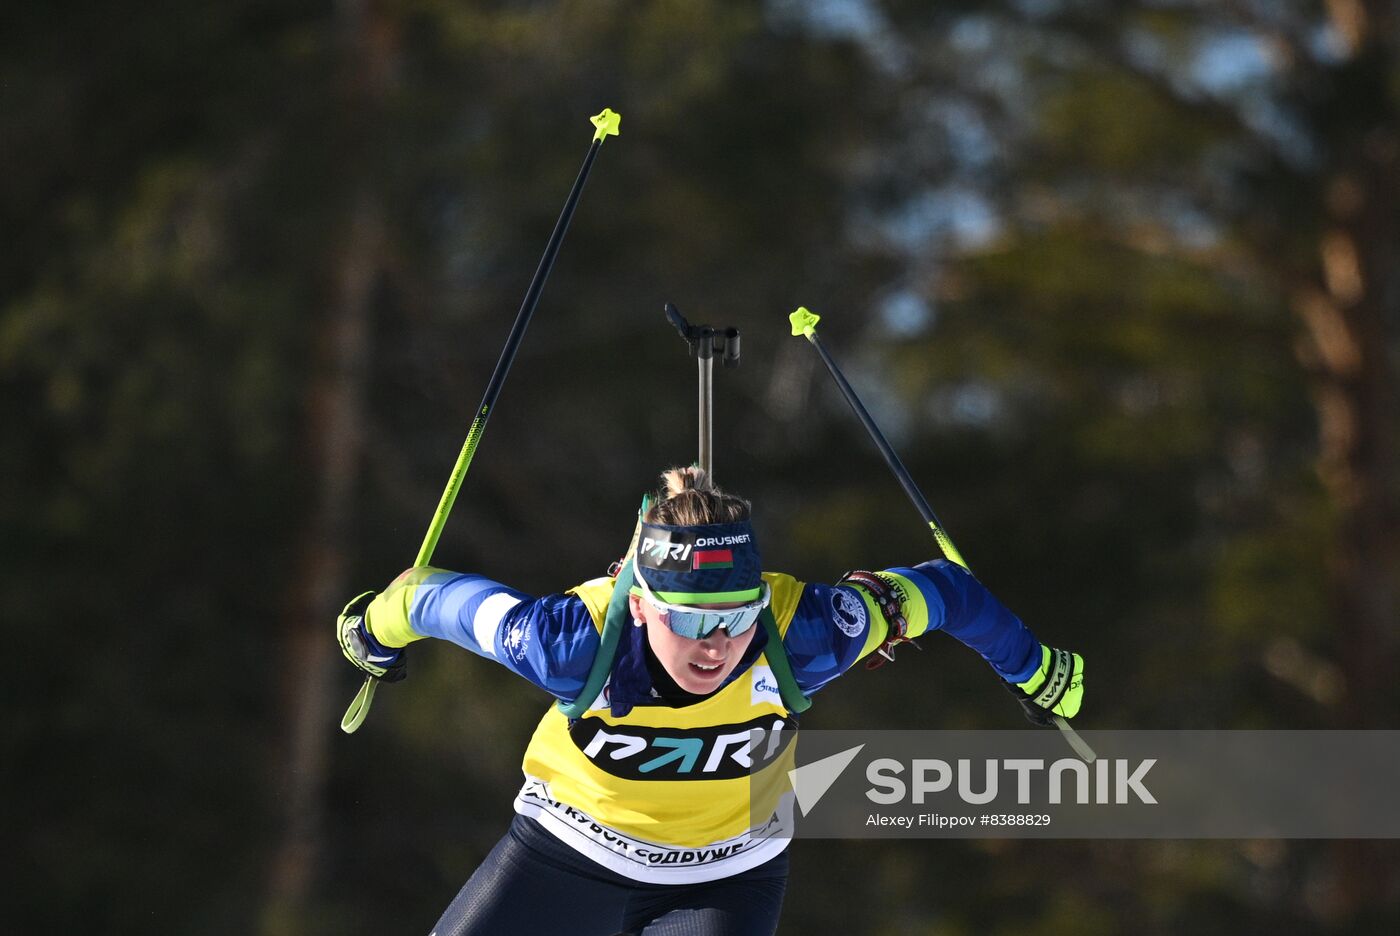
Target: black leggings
point(532, 884)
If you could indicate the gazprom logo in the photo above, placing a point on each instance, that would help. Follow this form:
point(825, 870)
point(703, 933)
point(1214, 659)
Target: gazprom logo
point(765, 687)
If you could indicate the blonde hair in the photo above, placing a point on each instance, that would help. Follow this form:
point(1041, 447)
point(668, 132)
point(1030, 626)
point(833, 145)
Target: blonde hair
point(689, 498)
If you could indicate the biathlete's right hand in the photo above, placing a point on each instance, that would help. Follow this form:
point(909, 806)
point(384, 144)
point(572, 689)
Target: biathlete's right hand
point(361, 649)
point(1056, 688)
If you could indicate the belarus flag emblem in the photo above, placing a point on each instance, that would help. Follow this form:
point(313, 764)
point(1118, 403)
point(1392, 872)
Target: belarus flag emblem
point(712, 559)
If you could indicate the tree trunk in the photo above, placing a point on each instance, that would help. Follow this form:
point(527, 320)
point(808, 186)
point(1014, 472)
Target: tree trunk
point(335, 417)
point(1352, 320)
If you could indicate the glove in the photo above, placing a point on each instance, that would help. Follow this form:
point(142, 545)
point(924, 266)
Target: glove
point(1057, 688)
point(361, 649)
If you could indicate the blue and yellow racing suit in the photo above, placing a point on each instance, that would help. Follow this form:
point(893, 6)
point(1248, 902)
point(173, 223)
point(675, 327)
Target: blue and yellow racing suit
point(661, 792)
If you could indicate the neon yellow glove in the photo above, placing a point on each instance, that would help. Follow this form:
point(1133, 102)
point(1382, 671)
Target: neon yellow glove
point(1057, 688)
point(361, 649)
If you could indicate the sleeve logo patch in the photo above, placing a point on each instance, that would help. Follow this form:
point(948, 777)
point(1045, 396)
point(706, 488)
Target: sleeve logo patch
point(849, 612)
point(517, 640)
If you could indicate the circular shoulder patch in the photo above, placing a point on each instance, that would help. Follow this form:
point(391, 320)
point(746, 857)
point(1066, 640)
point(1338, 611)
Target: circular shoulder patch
point(849, 612)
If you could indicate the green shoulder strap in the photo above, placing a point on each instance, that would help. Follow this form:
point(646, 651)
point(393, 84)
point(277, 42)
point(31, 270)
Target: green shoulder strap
point(777, 657)
point(615, 622)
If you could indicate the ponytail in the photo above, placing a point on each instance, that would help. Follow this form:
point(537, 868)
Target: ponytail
point(689, 498)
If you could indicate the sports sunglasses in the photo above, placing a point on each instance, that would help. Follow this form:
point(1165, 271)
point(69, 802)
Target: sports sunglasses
point(696, 623)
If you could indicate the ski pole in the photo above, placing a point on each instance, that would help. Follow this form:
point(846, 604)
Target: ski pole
point(606, 124)
point(804, 325)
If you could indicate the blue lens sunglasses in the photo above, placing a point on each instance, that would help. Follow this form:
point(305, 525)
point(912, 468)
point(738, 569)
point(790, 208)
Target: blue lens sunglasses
point(697, 623)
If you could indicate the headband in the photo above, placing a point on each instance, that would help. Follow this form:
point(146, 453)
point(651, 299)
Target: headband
point(710, 563)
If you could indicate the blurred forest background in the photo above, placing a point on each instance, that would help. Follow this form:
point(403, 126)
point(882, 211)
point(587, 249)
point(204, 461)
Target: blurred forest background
point(1120, 279)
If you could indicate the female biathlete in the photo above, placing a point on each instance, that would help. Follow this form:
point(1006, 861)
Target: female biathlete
point(635, 815)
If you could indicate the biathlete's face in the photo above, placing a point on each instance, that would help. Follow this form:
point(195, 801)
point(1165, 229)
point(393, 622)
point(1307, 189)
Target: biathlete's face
point(698, 666)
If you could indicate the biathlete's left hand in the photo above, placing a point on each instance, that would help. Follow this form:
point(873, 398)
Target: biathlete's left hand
point(361, 649)
point(1056, 688)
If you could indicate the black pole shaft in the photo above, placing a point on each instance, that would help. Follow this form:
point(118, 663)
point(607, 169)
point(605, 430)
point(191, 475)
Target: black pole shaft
point(917, 496)
point(359, 706)
point(498, 376)
point(905, 480)
point(532, 295)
